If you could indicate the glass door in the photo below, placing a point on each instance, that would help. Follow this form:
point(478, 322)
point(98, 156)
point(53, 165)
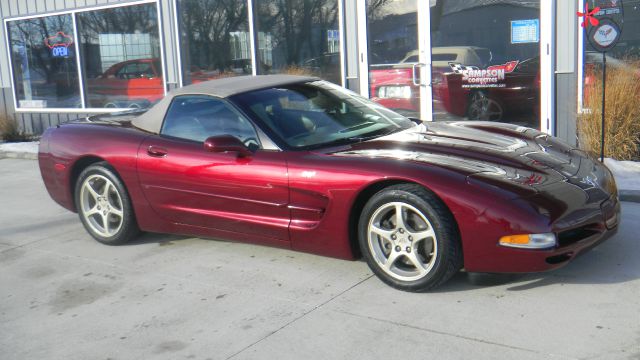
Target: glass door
point(442, 60)
point(486, 61)
point(394, 54)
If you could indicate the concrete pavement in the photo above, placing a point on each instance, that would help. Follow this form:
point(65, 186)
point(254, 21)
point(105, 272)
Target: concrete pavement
point(65, 296)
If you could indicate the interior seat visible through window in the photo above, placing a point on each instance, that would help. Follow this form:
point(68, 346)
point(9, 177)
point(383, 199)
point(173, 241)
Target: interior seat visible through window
point(186, 127)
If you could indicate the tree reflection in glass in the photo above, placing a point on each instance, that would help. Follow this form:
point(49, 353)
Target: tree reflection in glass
point(299, 37)
point(214, 39)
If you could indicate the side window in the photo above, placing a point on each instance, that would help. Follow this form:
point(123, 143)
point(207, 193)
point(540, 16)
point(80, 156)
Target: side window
point(197, 117)
point(135, 70)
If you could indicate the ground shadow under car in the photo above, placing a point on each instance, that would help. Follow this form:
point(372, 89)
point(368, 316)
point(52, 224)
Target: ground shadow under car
point(610, 262)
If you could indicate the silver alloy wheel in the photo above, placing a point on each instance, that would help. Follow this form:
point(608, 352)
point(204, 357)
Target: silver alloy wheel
point(101, 205)
point(484, 108)
point(402, 241)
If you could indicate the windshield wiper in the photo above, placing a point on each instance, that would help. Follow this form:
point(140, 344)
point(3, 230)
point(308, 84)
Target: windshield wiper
point(376, 134)
point(358, 127)
point(353, 139)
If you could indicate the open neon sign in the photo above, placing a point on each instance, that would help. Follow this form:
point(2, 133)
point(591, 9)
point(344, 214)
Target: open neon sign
point(59, 44)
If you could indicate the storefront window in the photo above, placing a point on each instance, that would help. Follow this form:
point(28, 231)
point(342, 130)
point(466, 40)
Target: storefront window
point(120, 54)
point(214, 39)
point(299, 37)
point(486, 61)
point(44, 64)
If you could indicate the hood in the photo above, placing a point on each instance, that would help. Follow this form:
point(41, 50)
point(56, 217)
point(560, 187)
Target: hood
point(503, 155)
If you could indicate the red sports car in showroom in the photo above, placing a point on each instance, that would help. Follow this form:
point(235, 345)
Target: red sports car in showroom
point(514, 95)
point(128, 84)
point(303, 164)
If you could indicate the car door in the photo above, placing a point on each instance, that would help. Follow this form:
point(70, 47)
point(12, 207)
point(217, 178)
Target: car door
point(186, 184)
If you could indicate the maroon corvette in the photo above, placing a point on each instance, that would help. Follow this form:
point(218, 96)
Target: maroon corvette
point(303, 164)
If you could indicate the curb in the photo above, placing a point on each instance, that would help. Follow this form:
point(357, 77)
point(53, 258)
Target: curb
point(629, 195)
point(18, 155)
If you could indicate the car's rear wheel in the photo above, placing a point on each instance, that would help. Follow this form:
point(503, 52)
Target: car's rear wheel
point(104, 206)
point(409, 238)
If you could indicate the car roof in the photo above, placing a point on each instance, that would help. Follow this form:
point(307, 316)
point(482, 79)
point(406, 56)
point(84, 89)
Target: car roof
point(454, 49)
point(151, 120)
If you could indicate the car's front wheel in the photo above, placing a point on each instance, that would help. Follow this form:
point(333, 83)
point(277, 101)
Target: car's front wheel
point(104, 206)
point(409, 238)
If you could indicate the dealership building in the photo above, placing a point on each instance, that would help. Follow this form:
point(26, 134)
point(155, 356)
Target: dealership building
point(526, 62)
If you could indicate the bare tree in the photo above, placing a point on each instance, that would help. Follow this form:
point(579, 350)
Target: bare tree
point(207, 27)
point(299, 27)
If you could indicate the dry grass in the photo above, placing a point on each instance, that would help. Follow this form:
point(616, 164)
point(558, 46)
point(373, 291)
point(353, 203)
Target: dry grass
point(622, 115)
point(297, 70)
point(10, 132)
point(7, 126)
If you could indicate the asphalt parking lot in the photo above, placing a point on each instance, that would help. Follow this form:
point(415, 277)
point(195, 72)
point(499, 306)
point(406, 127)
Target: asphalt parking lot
point(65, 296)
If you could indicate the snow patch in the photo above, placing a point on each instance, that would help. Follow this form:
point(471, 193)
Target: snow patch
point(626, 173)
point(20, 147)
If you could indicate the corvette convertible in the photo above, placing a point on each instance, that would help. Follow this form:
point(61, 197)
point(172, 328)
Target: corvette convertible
point(300, 163)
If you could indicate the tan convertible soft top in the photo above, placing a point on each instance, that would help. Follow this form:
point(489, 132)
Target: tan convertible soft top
point(152, 119)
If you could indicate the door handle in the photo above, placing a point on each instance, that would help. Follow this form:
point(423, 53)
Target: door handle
point(157, 151)
point(415, 77)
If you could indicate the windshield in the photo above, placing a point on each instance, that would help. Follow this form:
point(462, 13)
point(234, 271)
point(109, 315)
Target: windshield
point(318, 113)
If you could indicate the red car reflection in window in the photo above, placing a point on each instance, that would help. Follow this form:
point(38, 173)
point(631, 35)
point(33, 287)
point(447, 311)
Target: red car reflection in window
point(129, 84)
point(518, 96)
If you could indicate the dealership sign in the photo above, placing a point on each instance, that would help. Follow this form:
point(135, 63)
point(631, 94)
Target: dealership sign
point(59, 44)
point(491, 77)
point(609, 7)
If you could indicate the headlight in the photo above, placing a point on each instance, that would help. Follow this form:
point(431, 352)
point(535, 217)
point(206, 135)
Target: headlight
point(529, 241)
point(394, 92)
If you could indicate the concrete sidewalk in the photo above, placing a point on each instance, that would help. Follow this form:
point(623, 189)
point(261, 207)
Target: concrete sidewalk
point(21, 150)
point(65, 296)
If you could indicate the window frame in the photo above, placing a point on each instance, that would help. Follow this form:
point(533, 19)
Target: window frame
point(258, 134)
point(81, 80)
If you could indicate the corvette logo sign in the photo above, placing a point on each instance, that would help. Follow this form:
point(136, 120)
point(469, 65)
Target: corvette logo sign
point(59, 44)
point(605, 35)
point(493, 76)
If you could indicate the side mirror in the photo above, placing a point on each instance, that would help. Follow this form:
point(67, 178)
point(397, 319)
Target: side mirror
point(227, 143)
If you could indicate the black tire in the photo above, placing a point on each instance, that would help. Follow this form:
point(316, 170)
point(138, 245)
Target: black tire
point(443, 252)
point(116, 200)
point(484, 107)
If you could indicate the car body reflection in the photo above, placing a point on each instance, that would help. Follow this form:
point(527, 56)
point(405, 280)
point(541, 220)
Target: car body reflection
point(128, 84)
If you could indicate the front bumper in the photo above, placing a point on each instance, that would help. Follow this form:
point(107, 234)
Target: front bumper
point(596, 226)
